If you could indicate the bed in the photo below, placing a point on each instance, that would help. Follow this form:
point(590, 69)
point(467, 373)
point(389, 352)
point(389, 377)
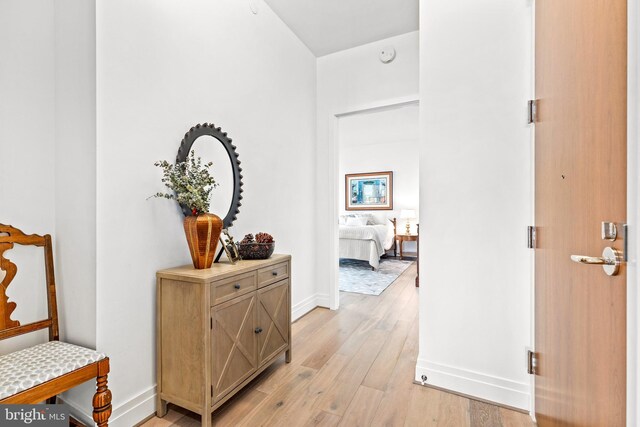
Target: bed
point(360, 237)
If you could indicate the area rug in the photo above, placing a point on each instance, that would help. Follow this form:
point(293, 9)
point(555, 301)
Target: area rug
point(357, 276)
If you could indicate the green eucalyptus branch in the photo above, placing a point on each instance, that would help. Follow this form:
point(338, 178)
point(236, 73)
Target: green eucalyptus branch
point(190, 181)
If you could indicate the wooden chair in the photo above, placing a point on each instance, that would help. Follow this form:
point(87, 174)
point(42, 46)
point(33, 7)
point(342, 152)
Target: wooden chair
point(41, 372)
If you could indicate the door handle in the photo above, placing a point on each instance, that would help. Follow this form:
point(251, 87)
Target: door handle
point(610, 260)
point(595, 260)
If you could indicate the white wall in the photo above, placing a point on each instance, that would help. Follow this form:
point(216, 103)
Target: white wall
point(47, 147)
point(27, 140)
point(163, 66)
point(476, 199)
point(75, 166)
point(75, 178)
point(348, 81)
point(383, 140)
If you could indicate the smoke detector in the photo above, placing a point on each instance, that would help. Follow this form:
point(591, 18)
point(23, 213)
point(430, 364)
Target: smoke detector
point(387, 54)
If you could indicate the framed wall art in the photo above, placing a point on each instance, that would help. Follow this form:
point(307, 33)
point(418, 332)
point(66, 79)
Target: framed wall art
point(368, 191)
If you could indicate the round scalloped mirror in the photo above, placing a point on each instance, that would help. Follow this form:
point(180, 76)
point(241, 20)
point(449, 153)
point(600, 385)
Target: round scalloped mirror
point(213, 145)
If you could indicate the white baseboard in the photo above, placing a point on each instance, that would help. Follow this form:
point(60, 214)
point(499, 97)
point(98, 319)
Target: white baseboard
point(127, 414)
point(303, 307)
point(475, 384)
point(323, 300)
point(135, 410)
point(308, 304)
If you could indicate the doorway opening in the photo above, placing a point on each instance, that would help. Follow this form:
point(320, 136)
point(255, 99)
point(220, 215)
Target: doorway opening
point(377, 190)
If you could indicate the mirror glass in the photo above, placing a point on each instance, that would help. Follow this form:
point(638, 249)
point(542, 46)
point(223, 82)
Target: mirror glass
point(211, 150)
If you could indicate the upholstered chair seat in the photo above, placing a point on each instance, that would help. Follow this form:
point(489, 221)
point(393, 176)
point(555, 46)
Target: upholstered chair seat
point(35, 365)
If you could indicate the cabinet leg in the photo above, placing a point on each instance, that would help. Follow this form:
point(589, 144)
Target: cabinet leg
point(206, 420)
point(287, 356)
point(161, 408)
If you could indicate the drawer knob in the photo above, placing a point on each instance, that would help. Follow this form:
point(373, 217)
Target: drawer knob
point(258, 330)
point(275, 273)
point(237, 286)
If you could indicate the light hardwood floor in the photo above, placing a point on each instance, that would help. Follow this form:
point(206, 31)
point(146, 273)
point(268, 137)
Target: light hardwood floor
point(352, 367)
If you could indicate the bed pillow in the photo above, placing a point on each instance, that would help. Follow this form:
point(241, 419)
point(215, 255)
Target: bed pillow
point(371, 220)
point(356, 221)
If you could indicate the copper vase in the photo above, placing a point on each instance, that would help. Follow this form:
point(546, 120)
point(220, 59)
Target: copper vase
point(203, 233)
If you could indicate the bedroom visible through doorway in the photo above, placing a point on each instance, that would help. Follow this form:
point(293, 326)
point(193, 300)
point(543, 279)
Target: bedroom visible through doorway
point(378, 233)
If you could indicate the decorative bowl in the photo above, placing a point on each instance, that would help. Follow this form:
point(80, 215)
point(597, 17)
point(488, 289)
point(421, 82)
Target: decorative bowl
point(256, 250)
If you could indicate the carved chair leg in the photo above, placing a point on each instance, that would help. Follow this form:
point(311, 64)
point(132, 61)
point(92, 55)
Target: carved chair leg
point(102, 398)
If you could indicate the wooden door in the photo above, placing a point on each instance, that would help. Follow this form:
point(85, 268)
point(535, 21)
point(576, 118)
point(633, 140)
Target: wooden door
point(580, 182)
point(273, 320)
point(234, 343)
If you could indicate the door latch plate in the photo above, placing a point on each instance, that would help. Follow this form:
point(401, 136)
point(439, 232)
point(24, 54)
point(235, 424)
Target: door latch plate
point(609, 231)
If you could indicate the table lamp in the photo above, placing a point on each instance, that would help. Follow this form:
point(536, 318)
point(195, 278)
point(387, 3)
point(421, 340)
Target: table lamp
point(408, 214)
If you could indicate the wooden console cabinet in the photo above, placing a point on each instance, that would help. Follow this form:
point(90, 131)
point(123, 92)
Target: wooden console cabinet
point(219, 328)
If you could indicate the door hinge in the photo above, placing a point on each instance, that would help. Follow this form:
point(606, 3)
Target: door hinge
point(532, 111)
point(532, 362)
point(531, 237)
point(212, 390)
point(211, 323)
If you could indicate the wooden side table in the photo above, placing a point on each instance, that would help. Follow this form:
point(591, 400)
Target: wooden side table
point(401, 238)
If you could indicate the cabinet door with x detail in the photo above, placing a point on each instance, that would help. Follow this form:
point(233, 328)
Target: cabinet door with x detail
point(273, 320)
point(235, 343)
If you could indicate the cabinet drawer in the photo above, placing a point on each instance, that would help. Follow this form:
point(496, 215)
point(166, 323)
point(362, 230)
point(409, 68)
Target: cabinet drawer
point(226, 289)
point(273, 274)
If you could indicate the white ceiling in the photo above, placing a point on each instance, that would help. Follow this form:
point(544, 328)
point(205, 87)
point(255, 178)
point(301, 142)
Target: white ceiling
point(328, 26)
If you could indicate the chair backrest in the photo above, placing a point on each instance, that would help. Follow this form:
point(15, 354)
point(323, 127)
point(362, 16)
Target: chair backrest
point(11, 328)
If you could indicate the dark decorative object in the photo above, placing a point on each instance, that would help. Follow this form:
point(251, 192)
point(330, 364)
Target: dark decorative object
point(256, 250)
point(248, 239)
point(260, 247)
point(264, 238)
point(229, 246)
point(216, 132)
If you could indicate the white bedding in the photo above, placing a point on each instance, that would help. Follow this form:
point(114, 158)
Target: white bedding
point(367, 243)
